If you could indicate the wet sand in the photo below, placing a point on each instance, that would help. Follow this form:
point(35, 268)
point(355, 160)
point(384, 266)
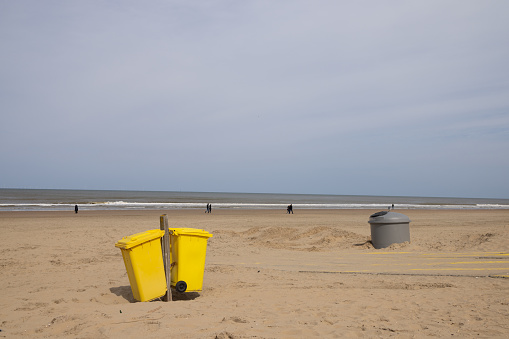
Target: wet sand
point(267, 275)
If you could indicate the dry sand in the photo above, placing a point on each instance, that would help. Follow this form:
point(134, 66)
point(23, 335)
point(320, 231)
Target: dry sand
point(267, 275)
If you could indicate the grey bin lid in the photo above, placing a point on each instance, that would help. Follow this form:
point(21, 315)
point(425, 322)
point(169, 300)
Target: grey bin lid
point(385, 217)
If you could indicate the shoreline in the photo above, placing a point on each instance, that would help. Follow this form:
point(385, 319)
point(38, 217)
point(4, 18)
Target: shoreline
point(256, 210)
point(229, 207)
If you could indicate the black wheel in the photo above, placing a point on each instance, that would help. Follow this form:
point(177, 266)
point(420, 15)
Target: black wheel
point(181, 286)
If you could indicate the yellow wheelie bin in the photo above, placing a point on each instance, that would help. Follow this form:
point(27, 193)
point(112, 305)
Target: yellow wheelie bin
point(144, 264)
point(188, 247)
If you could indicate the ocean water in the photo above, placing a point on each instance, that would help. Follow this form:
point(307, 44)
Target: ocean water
point(62, 200)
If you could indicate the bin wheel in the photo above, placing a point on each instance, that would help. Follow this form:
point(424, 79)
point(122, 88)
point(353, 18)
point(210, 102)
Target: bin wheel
point(181, 286)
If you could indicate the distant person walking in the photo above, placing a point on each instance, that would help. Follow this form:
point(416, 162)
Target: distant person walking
point(289, 209)
point(209, 208)
point(75, 208)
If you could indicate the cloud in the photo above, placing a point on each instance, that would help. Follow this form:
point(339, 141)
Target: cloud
point(296, 96)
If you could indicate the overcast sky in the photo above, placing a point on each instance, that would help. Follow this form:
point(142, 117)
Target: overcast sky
point(329, 97)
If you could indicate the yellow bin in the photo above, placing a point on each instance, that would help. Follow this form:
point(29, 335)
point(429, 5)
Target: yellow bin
point(143, 261)
point(188, 247)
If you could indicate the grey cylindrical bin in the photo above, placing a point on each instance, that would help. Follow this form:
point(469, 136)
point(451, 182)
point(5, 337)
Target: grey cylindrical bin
point(389, 228)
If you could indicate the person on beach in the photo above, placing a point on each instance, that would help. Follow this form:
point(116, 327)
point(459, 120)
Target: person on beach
point(75, 208)
point(210, 208)
point(291, 208)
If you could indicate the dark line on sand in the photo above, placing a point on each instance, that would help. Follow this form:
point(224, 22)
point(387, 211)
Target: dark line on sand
point(410, 274)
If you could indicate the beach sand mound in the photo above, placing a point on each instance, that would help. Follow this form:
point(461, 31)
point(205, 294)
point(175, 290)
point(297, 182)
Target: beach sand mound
point(481, 241)
point(325, 238)
point(318, 238)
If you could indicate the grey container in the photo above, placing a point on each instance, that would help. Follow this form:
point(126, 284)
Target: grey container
point(389, 228)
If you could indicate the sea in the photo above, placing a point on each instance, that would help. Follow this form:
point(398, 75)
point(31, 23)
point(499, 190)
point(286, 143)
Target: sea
point(64, 200)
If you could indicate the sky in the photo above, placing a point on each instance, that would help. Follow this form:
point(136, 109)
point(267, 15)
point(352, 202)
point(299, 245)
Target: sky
point(391, 98)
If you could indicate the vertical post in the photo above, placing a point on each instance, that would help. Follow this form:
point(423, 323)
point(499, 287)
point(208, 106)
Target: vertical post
point(165, 245)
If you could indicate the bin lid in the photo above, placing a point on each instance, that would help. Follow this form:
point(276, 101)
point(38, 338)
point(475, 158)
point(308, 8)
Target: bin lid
point(138, 239)
point(190, 231)
point(385, 217)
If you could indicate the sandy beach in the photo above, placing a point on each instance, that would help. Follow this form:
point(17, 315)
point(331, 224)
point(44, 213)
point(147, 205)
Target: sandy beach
point(267, 275)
